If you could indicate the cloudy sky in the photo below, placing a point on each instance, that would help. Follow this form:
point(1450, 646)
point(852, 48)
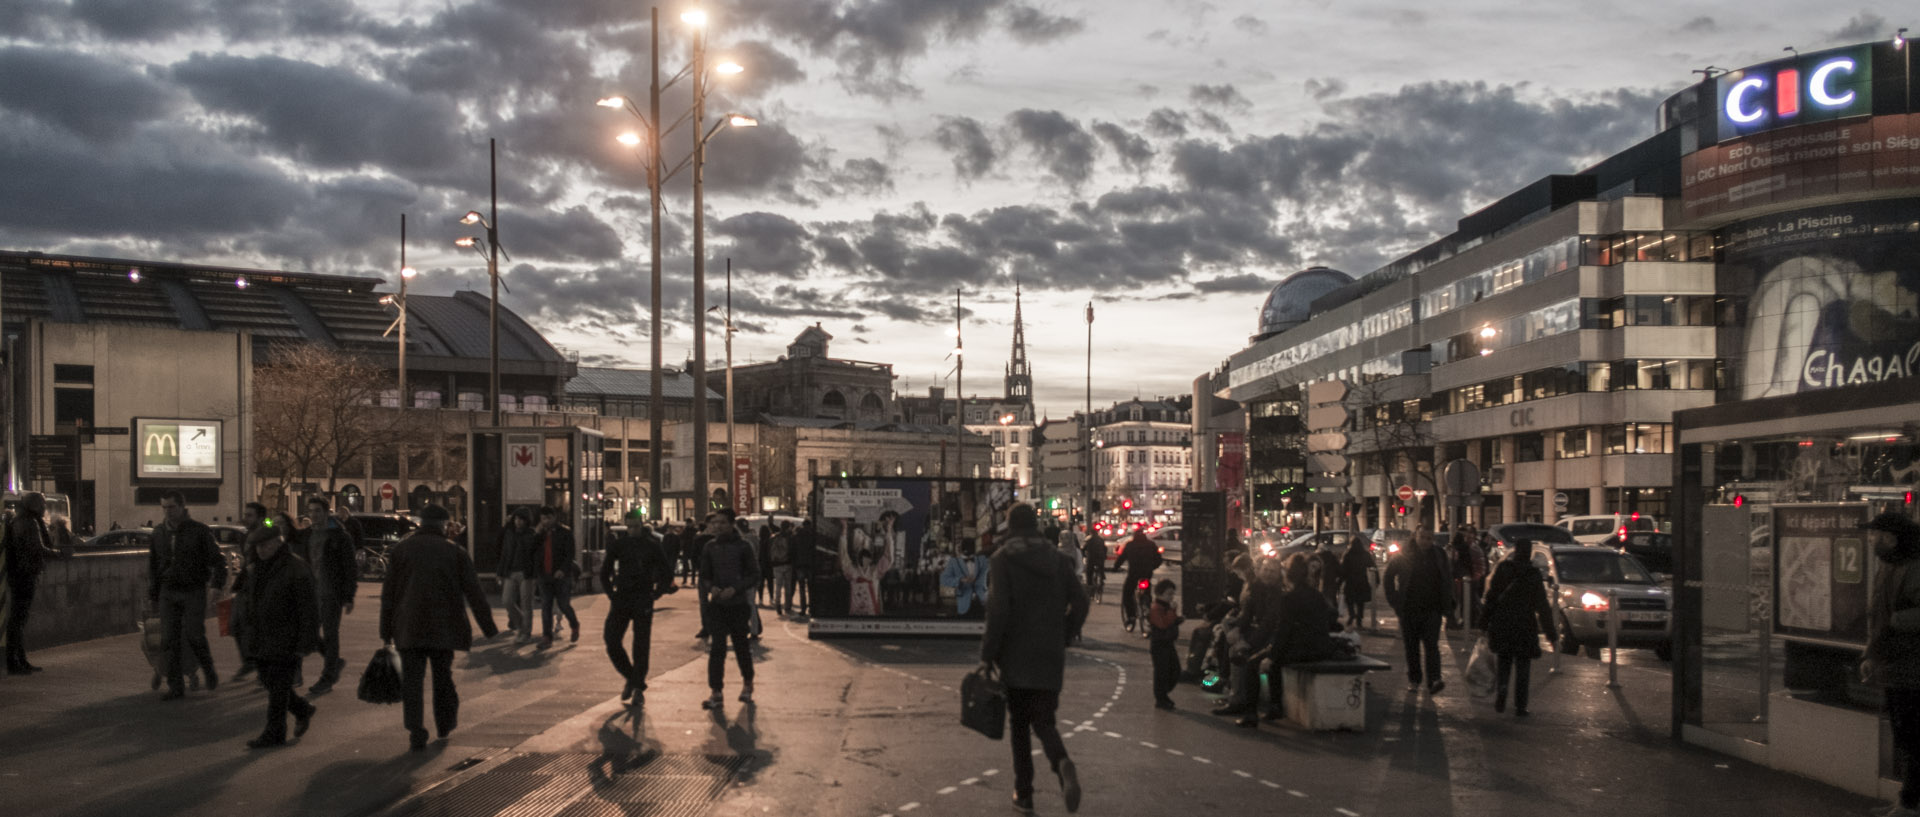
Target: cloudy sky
point(1169, 160)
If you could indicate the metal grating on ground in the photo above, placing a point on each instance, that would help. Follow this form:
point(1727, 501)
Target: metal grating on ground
point(586, 785)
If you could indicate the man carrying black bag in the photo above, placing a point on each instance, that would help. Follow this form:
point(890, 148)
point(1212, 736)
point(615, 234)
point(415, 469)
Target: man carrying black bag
point(428, 578)
point(283, 627)
point(1034, 604)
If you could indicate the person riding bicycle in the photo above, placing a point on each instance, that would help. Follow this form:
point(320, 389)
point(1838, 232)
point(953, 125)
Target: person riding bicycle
point(1095, 551)
point(1141, 557)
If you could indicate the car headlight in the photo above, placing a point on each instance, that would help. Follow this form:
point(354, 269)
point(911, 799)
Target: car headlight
point(1593, 601)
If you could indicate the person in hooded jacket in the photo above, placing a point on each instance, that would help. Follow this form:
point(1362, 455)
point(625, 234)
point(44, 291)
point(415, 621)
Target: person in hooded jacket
point(28, 546)
point(1516, 612)
point(1356, 580)
point(283, 627)
point(1893, 644)
point(1036, 604)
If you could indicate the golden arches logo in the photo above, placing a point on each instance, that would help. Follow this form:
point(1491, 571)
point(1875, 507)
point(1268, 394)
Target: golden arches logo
point(161, 444)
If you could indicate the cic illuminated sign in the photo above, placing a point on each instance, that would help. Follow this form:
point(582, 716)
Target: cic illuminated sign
point(1811, 88)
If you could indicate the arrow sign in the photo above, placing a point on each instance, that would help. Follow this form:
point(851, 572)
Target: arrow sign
point(1325, 462)
point(1329, 441)
point(1319, 482)
point(1326, 391)
point(1325, 418)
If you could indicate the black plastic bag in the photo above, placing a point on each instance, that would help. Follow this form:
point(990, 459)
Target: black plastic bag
point(983, 704)
point(380, 684)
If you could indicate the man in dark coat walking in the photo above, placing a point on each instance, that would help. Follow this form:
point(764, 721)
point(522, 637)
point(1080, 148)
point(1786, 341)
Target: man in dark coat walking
point(182, 563)
point(1419, 586)
point(28, 546)
point(553, 568)
point(1516, 612)
point(1034, 603)
point(283, 627)
point(428, 579)
point(728, 573)
point(636, 573)
point(336, 577)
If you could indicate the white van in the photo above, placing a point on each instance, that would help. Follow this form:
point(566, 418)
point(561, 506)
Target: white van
point(1592, 530)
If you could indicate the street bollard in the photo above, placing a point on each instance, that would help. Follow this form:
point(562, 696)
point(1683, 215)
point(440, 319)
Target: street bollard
point(1613, 639)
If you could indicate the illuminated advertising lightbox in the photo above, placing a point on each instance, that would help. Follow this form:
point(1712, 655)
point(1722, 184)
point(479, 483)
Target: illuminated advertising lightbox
point(1833, 296)
point(165, 448)
point(904, 547)
point(1807, 88)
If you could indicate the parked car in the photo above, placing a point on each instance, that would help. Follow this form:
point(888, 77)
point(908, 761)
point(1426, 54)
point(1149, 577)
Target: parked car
point(1168, 538)
point(383, 529)
point(1504, 535)
point(1335, 541)
point(122, 539)
point(1386, 542)
point(1592, 530)
point(1579, 579)
point(1655, 550)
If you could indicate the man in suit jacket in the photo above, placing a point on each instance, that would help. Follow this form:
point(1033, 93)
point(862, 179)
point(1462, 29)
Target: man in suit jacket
point(428, 579)
point(1034, 605)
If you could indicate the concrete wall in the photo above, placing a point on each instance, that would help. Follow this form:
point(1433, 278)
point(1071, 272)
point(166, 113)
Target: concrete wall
point(90, 596)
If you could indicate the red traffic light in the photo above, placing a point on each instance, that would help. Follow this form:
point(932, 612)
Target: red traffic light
point(1741, 499)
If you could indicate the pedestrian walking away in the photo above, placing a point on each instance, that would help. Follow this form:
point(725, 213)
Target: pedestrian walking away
point(428, 579)
point(1893, 645)
point(182, 563)
point(1356, 580)
point(805, 541)
point(780, 562)
point(1516, 613)
point(728, 573)
point(636, 573)
point(28, 545)
point(1419, 587)
point(1035, 605)
point(553, 564)
point(1141, 557)
point(516, 570)
point(336, 579)
point(1163, 643)
point(283, 627)
point(252, 516)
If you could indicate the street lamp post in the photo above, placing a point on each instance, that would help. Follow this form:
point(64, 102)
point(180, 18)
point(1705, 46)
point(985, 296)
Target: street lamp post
point(492, 253)
point(959, 402)
point(732, 488)
point(656, 178)
point(400, 303)
point(1087, 441)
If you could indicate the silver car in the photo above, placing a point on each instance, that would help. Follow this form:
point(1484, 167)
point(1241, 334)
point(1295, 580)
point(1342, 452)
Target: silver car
point(1579, 579)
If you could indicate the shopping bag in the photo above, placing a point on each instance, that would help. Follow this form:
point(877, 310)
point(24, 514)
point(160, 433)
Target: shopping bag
point(380, 684)
point(225, 613)
point(1482, 673)
point(983, 703)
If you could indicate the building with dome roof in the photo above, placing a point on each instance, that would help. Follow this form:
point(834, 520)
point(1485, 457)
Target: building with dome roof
point(1291, 301)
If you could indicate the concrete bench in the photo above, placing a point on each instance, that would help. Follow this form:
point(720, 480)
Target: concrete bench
point(1327, 695)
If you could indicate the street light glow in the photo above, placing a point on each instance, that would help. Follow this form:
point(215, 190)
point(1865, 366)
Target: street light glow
point(472, 217)
point(742, 121)
point(134, 275)
point(240, 282)
point(612, 102)
point(464, 241)
point(630, 139)
point(729, 68)
point(408, 272)
point(696, 17)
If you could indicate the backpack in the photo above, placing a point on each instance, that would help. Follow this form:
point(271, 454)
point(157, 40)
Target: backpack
point(778, 550)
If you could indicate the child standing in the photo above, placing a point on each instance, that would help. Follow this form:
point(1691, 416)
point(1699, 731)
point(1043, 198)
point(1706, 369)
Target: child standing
point(1163, 638)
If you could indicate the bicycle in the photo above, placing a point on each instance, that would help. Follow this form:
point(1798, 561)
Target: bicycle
point(1141, 594)
point(1096, 584)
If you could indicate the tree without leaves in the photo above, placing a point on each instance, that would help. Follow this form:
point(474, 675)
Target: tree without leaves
point(318, 408)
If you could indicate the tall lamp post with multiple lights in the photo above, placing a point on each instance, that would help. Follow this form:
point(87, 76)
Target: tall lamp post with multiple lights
point(654, 132)
point(492, 252)
point(400, 322)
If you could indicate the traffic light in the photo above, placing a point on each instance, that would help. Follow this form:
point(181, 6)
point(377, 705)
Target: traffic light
point(1400, 509)
point(1053, 504)
point(1741, 499)
point(1126, 504)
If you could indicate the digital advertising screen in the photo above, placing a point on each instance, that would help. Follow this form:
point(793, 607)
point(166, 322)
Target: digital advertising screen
point(904, 550)
point(165, 448)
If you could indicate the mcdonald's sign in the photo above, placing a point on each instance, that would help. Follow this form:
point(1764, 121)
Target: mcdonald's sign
point(176, 449)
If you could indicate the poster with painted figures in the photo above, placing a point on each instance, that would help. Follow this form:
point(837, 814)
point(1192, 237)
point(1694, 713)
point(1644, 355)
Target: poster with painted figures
point(905, 548)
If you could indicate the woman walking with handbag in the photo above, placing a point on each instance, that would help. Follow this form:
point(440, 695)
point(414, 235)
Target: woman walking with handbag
point(1516, 614)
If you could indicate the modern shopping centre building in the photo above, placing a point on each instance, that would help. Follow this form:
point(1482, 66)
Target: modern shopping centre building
point(1718, 326)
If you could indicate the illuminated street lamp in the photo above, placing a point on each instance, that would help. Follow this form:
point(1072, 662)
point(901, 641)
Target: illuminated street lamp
point(400, 302)
point(653, 132)
point(492, 252)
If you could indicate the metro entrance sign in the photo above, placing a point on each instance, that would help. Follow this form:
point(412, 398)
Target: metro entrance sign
point(1404, 492)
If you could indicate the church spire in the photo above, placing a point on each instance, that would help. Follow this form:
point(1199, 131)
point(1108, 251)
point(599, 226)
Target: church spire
point(1019, 378)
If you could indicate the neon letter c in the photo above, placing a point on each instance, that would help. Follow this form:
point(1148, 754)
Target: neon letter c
point(1817, 85)
point(1736, 101)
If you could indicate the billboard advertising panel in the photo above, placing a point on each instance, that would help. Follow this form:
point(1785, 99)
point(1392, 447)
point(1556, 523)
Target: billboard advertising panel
point(167, 448)
point(1805, 162)
point(1822, 571)
point(905, 548)
point(1834, 296)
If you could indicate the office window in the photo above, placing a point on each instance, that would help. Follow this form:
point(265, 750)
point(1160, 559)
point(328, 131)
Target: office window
point(1573, 443)
point(72, 408)
point(1529, 448)
point(813, 468)
point(72, 373)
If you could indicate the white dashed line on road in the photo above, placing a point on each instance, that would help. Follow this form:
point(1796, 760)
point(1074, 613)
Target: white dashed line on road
point(1111, 734)
point(1202, 759)
point(1299, 794)
point(1239, 773)
point(1149, 745)
point(1176, 752)
point(948, 790)
point(970, 781)
point(1347, 812)
point(1270, 784)
point(909, 807)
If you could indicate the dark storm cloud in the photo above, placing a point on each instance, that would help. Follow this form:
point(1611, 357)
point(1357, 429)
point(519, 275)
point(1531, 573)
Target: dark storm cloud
point(1033, 26)
point(1064, 148)
point(575, 234)
point(871, 41)
point(768, 158)
point(1863, 26)
point(1218, 96)
point(1250, 24)
point(1167, 122)
point(965, 138)
point(140, 19)
point(1244, 282)
point(326, 116)
point(1699, 25)
point(767, 68)
point(1135, 152)
point(96, 99)
point(765, 242)
point(861, 176)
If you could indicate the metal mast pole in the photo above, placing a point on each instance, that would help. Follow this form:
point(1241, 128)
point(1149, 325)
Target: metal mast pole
point(656, 399)
point(493, 276)
point(730, 462)
point(700, 270)
point(1086, 442)
point(959, 402)
point(403, 313)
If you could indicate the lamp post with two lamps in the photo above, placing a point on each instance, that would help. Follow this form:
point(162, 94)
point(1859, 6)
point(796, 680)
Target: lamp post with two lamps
point(492, 252)
point(400, 321)
point(656, 179)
